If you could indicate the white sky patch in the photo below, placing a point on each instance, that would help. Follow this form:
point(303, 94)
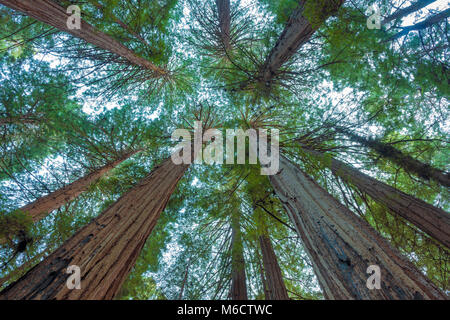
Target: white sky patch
point(195, 182)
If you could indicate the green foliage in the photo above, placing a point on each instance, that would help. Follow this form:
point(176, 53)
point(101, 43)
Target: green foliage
point(11, 224)
point(67, 108)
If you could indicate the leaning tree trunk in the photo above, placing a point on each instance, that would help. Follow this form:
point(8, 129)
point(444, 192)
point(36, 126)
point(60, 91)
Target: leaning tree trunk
point(238, 280)
point(427, 23)
point(24, 267)
point(297, 32)
point(54, 15)
point(408, 10)
point(433, 221)
point(408, 163)
point(263, 278)
point(223, 10)
point(342, 246)
point(40, 208)
point(186, 273)
point(276, 289)
point(107, 248)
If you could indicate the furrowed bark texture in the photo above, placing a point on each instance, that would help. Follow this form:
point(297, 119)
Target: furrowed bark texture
point(40, 208)
point(408, 163)
point(342, 246)
point(223, 10)
point(107, 248)
point(54, 15)
point(297, 32)
point(276, 289)
point(238, 280)
point(430, 219)
point(23, 267)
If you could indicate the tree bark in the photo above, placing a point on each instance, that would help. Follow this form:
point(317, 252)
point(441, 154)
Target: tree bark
point(18, 120)
point(296, 33)
point(107, 248)
point(23, 267)
point(433, 221)
point(54, 15)
point(263, 278)
point(342, 246)
point(238, 279)
point(408, 163)
point(186, 273)
point(276, 289)
point(223, 10)
point(424, 24)
point(416, 6)
point(40, 208)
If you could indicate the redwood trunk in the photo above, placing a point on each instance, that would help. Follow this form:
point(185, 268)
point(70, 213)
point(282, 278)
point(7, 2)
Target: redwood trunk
point(342, 246)
point(297, 32)
point(408, 10)
point(408, 163)
point(238, 280)
point(433, 221)
point(276, 289)
point(54, 15)
point(107, 248)
point(223, 10)
point(22, 268)
point(40, 208)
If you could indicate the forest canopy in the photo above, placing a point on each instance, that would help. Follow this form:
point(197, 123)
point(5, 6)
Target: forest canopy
point(352, 96)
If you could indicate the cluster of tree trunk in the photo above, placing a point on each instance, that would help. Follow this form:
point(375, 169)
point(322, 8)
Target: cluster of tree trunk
point(342, 245)
point(106, 249)
point(430, 219)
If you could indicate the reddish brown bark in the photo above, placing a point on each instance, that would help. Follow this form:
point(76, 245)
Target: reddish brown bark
point(263, 278)
point(107, 248)
point(276, 289)
point(54, 15)
point(186, 273)
point(297, 32)
point(223, 10)
point(238, 279)
point(433, 221)
point(342, 246)
point(40, 208)
point(21, 269)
